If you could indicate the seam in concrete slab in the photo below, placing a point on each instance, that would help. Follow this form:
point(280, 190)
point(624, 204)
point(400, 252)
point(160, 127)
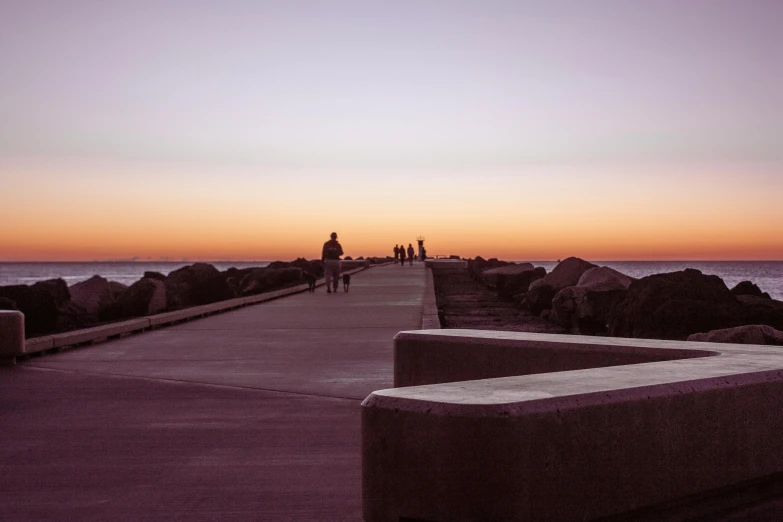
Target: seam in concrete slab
point(169, 380)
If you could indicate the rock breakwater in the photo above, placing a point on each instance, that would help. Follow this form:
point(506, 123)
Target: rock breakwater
point(53, 307)
point(579, 297)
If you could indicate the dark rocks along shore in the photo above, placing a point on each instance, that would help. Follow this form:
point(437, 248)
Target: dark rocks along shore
point(579, 297)
point(53, 307)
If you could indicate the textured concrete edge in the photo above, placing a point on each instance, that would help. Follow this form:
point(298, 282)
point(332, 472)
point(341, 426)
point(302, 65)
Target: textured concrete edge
point(571, 445)
point(429, 315)
point(132, 326)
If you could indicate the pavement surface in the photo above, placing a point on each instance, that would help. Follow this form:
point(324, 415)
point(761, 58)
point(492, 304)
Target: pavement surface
point(253, 414)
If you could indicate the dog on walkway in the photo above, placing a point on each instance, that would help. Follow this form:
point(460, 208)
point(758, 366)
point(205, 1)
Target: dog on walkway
point(310, 278)
point(346, 281)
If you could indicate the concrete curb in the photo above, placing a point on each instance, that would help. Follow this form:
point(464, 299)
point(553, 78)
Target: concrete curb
point(57, 342)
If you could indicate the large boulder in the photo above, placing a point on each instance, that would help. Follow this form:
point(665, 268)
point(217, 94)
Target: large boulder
point(479, 265)
point(567, 273)
point(197, 284)
point(603, 278)
point(673, 306)
point(117, 289)
point(315, 267)
point(491, 276)
point(512, 286)
point(47, 307)
point(749, 334)
point(759, 310)
point(234, 277)
point(146, 296)
point(93, 295)
point(748, 288)
point(542, 291)
point(263, 280)
point(154, 275)
point(584, 308)
point(538, 297)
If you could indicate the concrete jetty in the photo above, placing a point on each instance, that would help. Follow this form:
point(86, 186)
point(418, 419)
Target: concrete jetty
point(252, 414)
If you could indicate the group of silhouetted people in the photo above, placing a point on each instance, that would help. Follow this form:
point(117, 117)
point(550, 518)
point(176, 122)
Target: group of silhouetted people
point(330, 257)
point(400, 254)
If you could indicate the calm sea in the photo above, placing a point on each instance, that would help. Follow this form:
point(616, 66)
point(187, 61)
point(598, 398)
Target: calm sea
point(768, 275)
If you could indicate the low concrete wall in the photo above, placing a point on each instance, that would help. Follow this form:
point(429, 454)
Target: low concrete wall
point(429, 314)
point(11, 336)
point(350, 264)
point(669, 425)
point(132, 326)
point(440, 264)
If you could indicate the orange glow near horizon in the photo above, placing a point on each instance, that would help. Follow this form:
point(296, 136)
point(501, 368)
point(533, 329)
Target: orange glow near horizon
point(79, 213)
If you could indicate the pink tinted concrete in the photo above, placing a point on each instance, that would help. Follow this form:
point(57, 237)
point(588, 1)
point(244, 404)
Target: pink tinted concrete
point(582, 444)
point(252, 414)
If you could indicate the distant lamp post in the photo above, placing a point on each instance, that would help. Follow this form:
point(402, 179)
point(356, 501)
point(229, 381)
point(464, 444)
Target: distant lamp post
point(420, 239)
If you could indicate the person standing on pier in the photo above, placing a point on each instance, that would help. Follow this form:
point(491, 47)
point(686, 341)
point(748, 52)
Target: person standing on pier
point(330, 257)
point(410, 254)
point(402, 254)
point(396, 253)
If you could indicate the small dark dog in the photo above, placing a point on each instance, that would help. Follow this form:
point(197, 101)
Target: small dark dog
point(346, 281)
point(310, 278)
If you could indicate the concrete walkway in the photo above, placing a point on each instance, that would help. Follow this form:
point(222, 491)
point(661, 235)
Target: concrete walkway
point(249, 415)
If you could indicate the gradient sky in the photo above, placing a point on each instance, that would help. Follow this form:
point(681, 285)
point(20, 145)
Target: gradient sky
point(231, 130)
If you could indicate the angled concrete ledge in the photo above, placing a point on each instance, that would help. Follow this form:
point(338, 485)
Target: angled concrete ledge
point(552, 427)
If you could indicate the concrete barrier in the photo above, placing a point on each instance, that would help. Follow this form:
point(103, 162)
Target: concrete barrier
point(11, 336)
point(625, 428)
point(39, 344)
point(440, 264)
point(429, 314)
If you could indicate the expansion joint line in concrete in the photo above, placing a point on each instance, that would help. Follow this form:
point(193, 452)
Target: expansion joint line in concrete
point(195, 383)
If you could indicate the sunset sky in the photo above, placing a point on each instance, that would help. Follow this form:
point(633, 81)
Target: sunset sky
point(526, 130)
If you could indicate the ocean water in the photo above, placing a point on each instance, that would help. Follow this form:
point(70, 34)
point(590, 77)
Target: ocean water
point(768, 275)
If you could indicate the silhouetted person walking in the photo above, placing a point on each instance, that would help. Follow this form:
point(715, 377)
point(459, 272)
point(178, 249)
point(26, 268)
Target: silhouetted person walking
point(410, 254)
point(396, 253)
point(330, 256)
point(402, 255)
